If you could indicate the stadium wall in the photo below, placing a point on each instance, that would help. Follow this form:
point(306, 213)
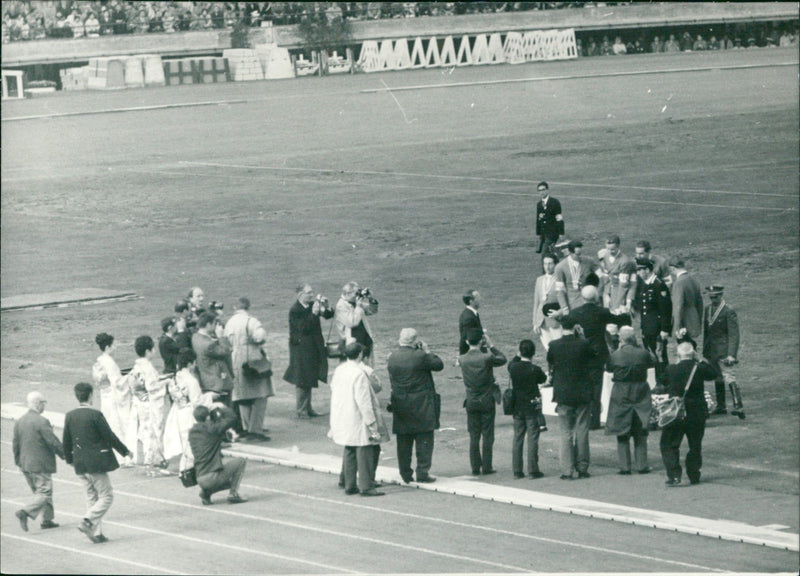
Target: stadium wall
point(180, 44)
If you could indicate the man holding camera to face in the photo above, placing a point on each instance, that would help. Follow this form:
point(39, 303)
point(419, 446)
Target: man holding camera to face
point(413, 403)
point(308, 360)
point(350, 318)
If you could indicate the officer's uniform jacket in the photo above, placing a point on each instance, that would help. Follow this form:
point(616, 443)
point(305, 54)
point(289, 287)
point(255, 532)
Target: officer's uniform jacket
point(720, 332)
point(654, 305)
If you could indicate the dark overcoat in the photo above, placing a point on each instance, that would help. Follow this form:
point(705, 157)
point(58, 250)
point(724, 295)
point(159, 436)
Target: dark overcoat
point(631, 393)
point(89, 443)
point(413, 390)
point(308, 362)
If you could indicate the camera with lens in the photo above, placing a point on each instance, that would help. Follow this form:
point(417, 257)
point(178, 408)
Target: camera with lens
point(370, 303)
point(215, 306)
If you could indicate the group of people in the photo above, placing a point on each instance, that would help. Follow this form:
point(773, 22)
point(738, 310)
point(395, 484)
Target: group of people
point(584, 311)
point(217, 378)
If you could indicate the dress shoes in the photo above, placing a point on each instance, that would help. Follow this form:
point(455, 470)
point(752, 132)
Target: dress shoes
point(739, 413)
point(536, 475)
point(47, 524)
point(584, 475)
point(672, 482)
point(719, 410)
point(312, 414)
point(489, 471)
point(351, 491)
point(377, 484)
point(256, 437)
point(372, 492)
point(426, 479)
point(341, 484)
point(22, 516)
point(205, 497)
point(645, 470)
point(624, 472)
point(87, 528)
point(101, 538)
point(519, 475)
point(566, 477)
point(236, 499)
point(407, 479)
point(476, 472)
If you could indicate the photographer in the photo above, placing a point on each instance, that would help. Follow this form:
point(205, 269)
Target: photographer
point(308, 361)
point(413, 403)
point(350, 318)
point(206, 438)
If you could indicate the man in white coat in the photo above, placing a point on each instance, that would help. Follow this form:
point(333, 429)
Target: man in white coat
point(545, 328)
point(356, 422)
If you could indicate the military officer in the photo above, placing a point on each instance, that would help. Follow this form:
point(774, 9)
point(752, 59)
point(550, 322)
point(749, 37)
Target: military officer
point(654, 306)
point(720, 347)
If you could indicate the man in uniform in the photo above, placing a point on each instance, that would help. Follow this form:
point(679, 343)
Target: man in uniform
point(549, 221)
point(545, 293)
point(660, 266)
point(720, 347)
point(654, 307)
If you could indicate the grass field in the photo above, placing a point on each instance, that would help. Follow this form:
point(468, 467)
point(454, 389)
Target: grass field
point(419, 194)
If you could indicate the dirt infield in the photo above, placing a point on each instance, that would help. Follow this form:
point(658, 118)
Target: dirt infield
point(420, 197)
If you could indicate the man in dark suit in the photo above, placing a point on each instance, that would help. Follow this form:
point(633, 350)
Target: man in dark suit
point(569, 357)
point(35, 450)
point(593, 320)
point(469, 319)
point(477, 370)
point(549, 221)
point(525, 379)
point(413, 401)
point(308, 360)
point(89, 446)
point(694, 425)
point(168, 346)
point(654, 306)
point(720, 348)
point(687, 301)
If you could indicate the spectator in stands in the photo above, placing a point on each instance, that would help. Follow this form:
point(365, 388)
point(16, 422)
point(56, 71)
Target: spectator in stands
point(141, 24)
point(204, 21)
point(24, 27)
point(699, 44)
point(105, 20)
point(168, 19)
point(119, 17)
point(75, 22)
point(6, 29)
point(657, 45)
point(726, 43)
point(92, 25)
point(618, 48)
point(785, 39)
point(636, 48)
point(217, 16)
point(672, 45)
point(38, 30)
point(713, 43)
point(606, 49)
point(592, 49)
point(686, 42)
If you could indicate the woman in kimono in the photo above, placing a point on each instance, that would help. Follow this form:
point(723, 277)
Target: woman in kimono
point(115, 395)
point(186, 396)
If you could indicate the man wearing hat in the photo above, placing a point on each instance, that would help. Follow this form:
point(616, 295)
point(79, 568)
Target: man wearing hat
point(687, 301)
point(571, 276)
point(654, 306)
point(720, 347)
point(549, 221)
point(414, 407)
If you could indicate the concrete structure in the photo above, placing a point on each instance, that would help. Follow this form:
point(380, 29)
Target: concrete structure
point(181, 44)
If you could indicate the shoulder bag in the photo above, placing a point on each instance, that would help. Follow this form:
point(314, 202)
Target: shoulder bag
point(255, 369)
point(508, 401)
point(188, 477)
point(673, 409)
point(333, 349)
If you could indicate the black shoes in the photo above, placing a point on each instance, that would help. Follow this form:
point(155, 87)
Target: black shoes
point(426, 479)
point(22, 516)
point(584, 475)
point(101, 538)
point(351, 491)
point(519, 475)
point(719, 410)
point(236, 499)
point(47, 524)
point(624, 472)
point(673, 482)
point(566, 477)
point(489, 471)
point(205, 497)
point(372, 492)
point(536, 475)
point(645, 470)
point(87, 528)
point(738, 412)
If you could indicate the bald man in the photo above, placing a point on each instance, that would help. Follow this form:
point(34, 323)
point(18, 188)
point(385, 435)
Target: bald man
point(35, 450)
point(593, 319)
point(630, 403)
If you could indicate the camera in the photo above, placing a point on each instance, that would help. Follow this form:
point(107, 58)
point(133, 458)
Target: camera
point(363, 293)
point(371, 303)
point(215, 306)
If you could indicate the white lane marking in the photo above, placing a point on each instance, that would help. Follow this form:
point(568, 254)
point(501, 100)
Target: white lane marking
point(128, 109)
point(476, 178)
point(313, 529)
point(73, 550)
point(202, 541)
point(580, 76)
point(487, 529)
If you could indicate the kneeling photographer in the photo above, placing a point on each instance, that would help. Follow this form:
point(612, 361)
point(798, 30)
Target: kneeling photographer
point(206, 438)
point(350, 318)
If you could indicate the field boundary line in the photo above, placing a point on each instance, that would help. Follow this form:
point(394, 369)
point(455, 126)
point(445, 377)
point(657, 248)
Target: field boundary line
point(125, 109)
point(576, 77)
point(479, 179)
point(86, 552)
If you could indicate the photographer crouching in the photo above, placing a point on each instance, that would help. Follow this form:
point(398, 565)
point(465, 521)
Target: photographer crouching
point(350, 318)
point(206, 438)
